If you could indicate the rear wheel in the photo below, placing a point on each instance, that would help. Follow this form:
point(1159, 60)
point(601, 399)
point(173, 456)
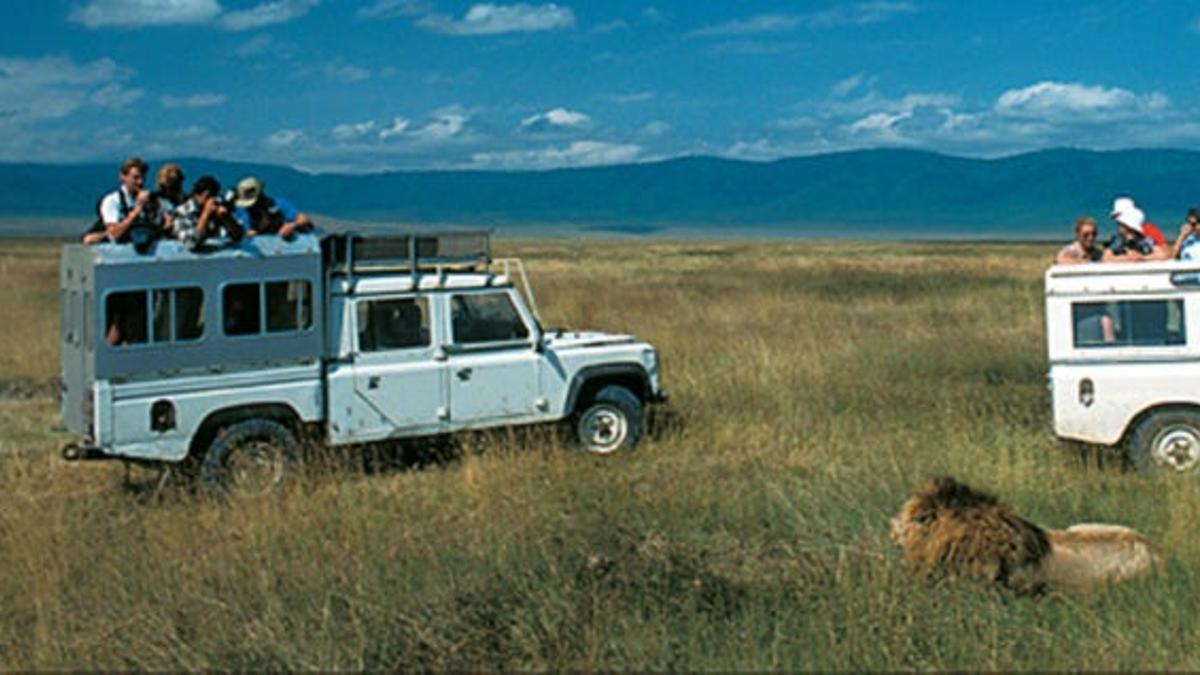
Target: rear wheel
point(249, 458)
point(1167, 441)
point(611, 421)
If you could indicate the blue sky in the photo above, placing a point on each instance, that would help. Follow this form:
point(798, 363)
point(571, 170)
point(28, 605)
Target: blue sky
point(338, 85)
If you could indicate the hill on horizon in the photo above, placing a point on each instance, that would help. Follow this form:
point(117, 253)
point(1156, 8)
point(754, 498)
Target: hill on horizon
point(867, 192)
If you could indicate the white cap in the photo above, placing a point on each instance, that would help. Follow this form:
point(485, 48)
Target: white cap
point(1133, 218)
point(1121, 205)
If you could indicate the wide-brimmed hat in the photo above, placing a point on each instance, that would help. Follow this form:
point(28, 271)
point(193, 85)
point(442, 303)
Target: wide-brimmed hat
point(1132, 218)
point(1121, 205)
point(248, 192)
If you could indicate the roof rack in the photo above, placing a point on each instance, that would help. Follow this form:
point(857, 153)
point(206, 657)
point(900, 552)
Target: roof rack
point(354, 253)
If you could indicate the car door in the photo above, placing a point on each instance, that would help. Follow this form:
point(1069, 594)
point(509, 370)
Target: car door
point(396, 364)
point(492, 364)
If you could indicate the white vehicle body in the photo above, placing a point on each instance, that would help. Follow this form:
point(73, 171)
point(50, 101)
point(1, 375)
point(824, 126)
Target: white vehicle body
point(350, 339)
point(1124, 345)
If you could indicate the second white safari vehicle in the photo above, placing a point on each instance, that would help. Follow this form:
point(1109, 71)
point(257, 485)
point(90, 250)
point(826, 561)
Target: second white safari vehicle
point(1124, 348)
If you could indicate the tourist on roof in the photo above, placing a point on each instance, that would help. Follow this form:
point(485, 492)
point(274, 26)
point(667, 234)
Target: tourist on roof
point(1083, 249)
point(1131, 243)
point(259, 213)
point(1187, 245)
point(130, 213)
point(1123, 204)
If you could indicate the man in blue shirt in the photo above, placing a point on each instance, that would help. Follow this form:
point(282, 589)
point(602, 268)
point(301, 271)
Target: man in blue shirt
point(261, 214)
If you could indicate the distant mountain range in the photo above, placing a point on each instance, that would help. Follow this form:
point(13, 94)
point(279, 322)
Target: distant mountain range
point(889, 193)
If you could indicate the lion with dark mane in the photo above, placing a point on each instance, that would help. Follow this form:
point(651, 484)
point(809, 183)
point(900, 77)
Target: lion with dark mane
point(951, 530)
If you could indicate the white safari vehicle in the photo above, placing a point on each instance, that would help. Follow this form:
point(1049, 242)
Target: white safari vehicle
point(1124, 347)
point(222, 359)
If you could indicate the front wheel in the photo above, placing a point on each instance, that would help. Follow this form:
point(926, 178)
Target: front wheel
point(249, 458)
point(611, 421)
point(1167, 441)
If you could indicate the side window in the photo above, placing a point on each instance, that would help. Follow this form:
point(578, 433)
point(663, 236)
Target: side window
point(485, 317)
point(397, 323)
point(171, 314)
point(289, 306)
point(241, 306)
point(125, 318)
point(1128, 323)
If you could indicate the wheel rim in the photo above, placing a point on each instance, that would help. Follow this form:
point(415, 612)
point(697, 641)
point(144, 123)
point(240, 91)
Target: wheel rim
point(255, 467)
point(1177, 448)
point(603, 429)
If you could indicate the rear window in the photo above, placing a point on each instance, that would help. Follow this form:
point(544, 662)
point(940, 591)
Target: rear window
point(1128, 323)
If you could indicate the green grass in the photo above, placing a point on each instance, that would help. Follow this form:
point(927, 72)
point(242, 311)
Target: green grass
point(814, 385)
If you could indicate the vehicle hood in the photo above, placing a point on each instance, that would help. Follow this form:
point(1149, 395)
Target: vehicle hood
point(559, 340)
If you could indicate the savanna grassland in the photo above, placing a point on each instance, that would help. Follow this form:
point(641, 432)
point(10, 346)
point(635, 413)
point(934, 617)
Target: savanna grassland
point(813, 385)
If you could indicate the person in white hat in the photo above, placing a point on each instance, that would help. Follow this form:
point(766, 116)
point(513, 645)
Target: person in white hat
point(1122, 204)
point(1131, 244)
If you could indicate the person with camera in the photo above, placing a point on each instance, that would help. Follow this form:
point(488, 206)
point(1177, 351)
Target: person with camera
point(259, 213)
point(1131, 243)
point(127, 208)
point(202, 215)
point(1187, 244)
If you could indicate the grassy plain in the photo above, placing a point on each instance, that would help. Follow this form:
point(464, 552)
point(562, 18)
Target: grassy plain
point(814, 385)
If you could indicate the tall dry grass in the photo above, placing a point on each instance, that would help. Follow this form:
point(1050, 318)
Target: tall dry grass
point(813, 384)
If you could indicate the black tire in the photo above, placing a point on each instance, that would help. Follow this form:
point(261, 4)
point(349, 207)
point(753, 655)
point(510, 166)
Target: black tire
point(612, 420)
point(252, 458)
point(1166, 442)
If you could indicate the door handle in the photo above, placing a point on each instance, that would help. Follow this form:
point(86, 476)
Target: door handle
point(464, 374)
point(373, 382)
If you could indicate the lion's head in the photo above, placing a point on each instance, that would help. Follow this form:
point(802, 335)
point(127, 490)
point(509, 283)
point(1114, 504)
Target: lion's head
point(947, 528)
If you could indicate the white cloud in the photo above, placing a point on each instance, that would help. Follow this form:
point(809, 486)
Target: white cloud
point(255, 46)
point(284, 138)
point(633, 97)
point(115, 96)
point(492, 19)
point(761, 23)
point(399, 126)
point(655, 128)
point(40, 89)
point(352, 130)
point(1057, 100)
point(610, 27)
point(556, 118)
point(201, 100)
point(578, 153)
point(266, 14)
point(849, 14)
point(346, 73)
point(390, 9)
point(447, 124)
point(844, 87)
point(139, 13)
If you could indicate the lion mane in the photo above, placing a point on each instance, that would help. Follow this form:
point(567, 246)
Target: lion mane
point(948, 529)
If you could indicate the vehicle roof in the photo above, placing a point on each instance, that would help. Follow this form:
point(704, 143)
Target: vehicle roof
point(168, 250)
point(1135, 277)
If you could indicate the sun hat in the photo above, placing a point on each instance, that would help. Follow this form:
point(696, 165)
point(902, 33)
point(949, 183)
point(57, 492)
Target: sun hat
point(248, 191)
point(1132, 218)
point(1121, 205)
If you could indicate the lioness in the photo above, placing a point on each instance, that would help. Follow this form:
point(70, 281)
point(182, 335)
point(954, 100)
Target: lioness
point(949, 529)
